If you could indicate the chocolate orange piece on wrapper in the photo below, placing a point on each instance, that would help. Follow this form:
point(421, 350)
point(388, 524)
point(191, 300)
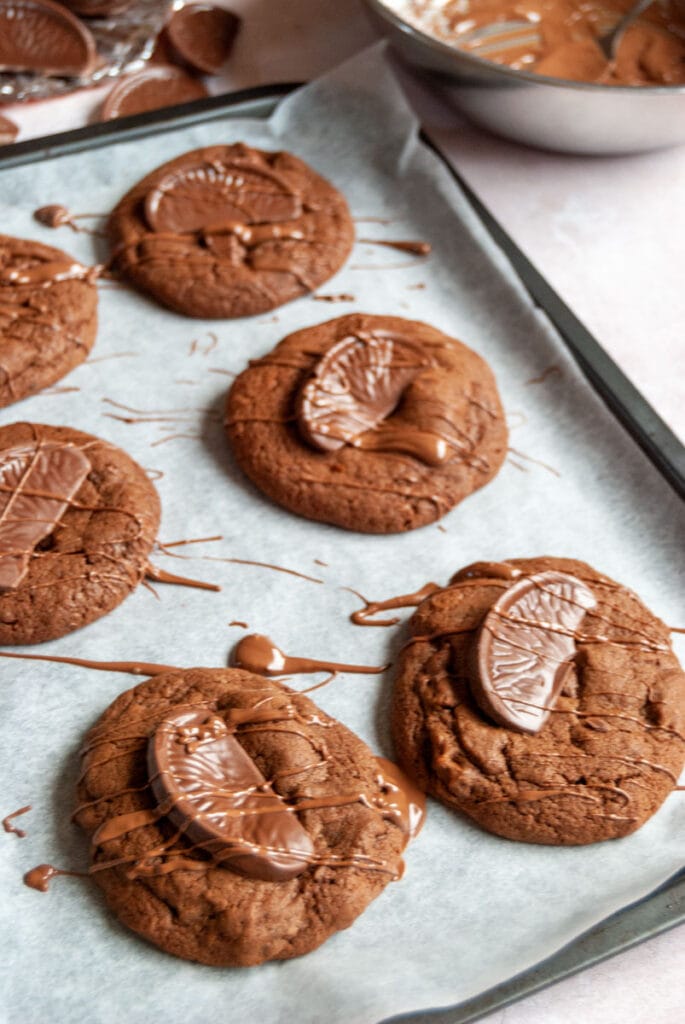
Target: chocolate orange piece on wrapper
point(41, 36)
point(202, 36)
point(154, 87)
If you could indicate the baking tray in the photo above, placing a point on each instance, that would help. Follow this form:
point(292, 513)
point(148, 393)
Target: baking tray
point(665, 907)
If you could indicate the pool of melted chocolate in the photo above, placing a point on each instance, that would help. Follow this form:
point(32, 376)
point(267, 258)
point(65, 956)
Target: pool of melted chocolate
point(563, 37)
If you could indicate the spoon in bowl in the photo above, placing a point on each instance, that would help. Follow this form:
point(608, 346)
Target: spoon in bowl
point(488, 40)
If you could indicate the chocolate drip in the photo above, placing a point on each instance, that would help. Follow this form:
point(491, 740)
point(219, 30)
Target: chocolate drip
point(134, 668)
point(520, 652)
point(362, 617)
point(416, 248)
point(402, 801)
point(40, 877)
point(544, 375)
point(595, 717)
point(168, 577)
point(257, 653)
point(483, 571)
point(429, 448)
point(7, 821)
point(53, 216)
point(609, 757)
point(268, 565)
point(42, 275)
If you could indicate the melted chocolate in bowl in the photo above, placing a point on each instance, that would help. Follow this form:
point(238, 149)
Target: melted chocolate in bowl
point(558, 38)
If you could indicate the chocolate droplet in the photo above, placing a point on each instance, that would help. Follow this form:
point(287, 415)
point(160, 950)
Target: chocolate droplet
point(355, 386)
point(38, 35)
point(150, 89)
point(36, 485)
point(401, 800)
point(202, 35)
point(211, 788)
point(216, 196)
point(53, 216)
point(524, 647)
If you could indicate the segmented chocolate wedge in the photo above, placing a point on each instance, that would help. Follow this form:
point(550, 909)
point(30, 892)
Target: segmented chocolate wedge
point(209, 786)
point(524, 648)
point(211, 197)
point(38, 35)
point(355, 386)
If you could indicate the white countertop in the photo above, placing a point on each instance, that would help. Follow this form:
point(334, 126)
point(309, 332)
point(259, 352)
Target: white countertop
point(608, 233)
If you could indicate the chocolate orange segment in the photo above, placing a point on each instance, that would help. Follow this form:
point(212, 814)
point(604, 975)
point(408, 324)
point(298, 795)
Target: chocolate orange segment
point(220, 197)
point(37, 35)
point(354, 387)
point(36, 486)
point(202, 35)
point(150, 89)
point(524, 648)
point(208, 786)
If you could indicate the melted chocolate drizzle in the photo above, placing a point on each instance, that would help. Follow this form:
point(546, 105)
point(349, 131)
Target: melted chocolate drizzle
point(10, 827)
point(257, 653)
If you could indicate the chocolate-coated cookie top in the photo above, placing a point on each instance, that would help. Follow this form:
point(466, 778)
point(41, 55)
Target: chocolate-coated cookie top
point(374, 423)
point(229, 231)
point(48, 316)
point(542, 699)
point(232, 821)
point(78, 518)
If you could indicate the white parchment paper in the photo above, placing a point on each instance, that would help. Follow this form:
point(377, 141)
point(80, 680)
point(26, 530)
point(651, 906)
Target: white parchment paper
point(472, 909)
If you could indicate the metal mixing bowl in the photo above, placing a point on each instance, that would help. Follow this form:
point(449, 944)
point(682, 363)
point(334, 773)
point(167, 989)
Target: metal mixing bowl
point(550, 113)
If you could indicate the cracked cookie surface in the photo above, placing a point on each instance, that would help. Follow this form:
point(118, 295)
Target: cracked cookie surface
point(180, 896)
point(606, 758)
point(452, 400)
point(46, 328)
point(92, 553)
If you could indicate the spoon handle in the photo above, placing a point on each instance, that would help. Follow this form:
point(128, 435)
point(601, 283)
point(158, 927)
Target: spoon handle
point(609, 42)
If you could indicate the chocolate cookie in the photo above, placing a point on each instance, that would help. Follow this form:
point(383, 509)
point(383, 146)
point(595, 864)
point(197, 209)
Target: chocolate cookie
point(543, 700)
point(48, 316)
point(229, 231)
point(78, 518)
point(232, 821)
point(374, 423)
